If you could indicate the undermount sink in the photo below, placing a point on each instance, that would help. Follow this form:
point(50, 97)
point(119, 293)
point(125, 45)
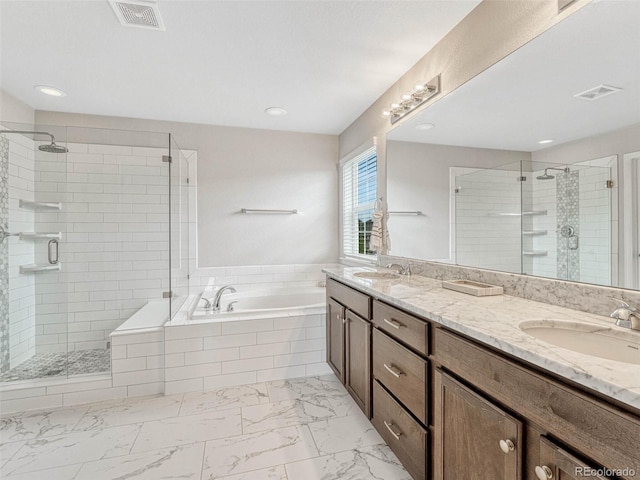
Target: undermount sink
point(377, 275)
point(590, 339)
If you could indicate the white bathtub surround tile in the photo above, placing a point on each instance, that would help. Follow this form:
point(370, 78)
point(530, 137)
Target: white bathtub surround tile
point(71, 448)
point(234, 379)
point(130, 412)
point(184, 462)
point(344, 433)
point(257, 451)
point(185, 430)
point(315, 369)
point(372, 463)
point(272, 473)
point(308, 387)
point(40, 424)
point(232, 397)
point(181, 386)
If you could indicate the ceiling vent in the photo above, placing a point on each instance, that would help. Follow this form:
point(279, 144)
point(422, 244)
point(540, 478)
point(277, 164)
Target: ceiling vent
point(139, 14)
point(597, 93)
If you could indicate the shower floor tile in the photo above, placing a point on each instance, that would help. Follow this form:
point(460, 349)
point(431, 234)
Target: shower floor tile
point(50, 365)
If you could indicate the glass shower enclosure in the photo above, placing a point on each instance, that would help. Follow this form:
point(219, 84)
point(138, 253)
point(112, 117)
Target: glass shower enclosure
point(93, 225)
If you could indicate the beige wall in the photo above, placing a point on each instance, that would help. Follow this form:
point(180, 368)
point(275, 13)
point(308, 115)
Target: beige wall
point(13, 110)
point(249, 168)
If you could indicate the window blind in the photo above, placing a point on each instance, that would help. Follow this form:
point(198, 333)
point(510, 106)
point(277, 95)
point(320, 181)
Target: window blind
point(359, 190)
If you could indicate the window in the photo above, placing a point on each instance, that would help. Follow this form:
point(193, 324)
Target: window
point(358, 200)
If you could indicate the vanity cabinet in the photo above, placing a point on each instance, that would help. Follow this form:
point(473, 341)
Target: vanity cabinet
point(349, 340)
point(476, 439)
point(469, 374)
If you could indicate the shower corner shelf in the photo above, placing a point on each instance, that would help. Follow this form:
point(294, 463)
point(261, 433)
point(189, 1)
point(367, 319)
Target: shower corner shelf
point(40, 235)
point(37, 267)
point(29, 205)
point(534, 232)
point(536, 253)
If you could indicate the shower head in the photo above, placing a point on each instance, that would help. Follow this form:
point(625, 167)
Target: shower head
point(51, 148)
point(546, 176)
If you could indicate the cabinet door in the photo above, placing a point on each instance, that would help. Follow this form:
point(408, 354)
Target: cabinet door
point(474, 439)
point(557, 464)
point(335, 337)
point(358, 361)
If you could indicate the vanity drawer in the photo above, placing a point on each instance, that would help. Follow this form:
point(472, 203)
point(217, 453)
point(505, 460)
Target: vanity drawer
point(403, 434)
point(402, 372)
point(352, 299)
point(401, 325)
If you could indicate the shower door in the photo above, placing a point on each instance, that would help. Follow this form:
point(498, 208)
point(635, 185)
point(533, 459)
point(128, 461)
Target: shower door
point(34, 303)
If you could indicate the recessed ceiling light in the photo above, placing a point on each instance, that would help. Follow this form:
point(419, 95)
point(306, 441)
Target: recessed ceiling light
point(425, 126)
point(275, 111)
point(51, 91)
point(548, 140)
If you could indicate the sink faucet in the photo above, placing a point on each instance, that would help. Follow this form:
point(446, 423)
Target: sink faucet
point(626, 316)
point(218, 295)
point(401, 269)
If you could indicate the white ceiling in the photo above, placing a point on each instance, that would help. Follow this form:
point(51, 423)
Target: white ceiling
point(528, 96)
point(220, 62)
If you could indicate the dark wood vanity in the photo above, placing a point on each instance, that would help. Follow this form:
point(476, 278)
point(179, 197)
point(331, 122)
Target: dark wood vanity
point(452, 408)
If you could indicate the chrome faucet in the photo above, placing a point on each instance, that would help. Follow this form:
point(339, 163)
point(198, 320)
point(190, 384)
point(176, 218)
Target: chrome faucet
point(401, 269)
point(626, 315)
point(218, 295)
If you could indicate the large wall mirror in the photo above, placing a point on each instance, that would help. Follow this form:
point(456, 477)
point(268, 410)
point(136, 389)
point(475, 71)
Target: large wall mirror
point(533, 166)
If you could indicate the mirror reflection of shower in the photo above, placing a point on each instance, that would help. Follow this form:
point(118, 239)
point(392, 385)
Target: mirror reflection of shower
point(49, 148)
point(546, 176)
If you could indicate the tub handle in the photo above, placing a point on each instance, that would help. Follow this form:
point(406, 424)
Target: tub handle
point(230, 306)
point(52, 252)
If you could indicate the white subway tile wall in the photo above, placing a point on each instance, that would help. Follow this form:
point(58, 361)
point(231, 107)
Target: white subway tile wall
point(22, 288)
point(114, 252)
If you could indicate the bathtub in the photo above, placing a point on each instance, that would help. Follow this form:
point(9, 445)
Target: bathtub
point(263, 303)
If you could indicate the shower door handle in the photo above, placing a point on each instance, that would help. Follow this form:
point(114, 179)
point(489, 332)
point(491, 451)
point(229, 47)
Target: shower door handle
point(573, 242)
point(52, 252)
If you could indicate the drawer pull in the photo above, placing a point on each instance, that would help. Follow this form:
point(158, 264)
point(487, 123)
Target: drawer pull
point(390, 426)
point(544, 473)
point(393, 323)
point(507, 446)
point(396, 372)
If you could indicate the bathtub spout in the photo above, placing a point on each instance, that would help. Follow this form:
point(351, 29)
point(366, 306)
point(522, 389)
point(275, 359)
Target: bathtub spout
point(218, 296)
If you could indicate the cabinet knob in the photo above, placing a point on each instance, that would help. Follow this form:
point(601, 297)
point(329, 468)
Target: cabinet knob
point(544, 473)
point(507, 446)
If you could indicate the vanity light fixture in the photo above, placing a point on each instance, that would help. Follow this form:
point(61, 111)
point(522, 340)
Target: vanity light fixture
point(410, 101)
point(51, 91)
point(425, 126)
point(543, 142)
point(275, 111)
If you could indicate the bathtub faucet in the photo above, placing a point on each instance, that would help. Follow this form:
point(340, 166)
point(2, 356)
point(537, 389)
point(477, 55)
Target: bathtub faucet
point(218, 295)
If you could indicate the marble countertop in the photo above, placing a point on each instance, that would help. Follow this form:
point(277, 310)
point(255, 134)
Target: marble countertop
point(494, 321)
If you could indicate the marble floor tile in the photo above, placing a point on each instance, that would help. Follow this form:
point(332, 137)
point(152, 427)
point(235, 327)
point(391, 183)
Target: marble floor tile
point(369, 463)
point(283, 414)
point(181, 462)
point(257, 451)
point(240, 396)
point(272, 473)
point(40, 424)
point(71, 448)
point(135, 410)
point(189, 429)
point(345, 433)
point(8, 450)
point(325, 385)
point(67, 472)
